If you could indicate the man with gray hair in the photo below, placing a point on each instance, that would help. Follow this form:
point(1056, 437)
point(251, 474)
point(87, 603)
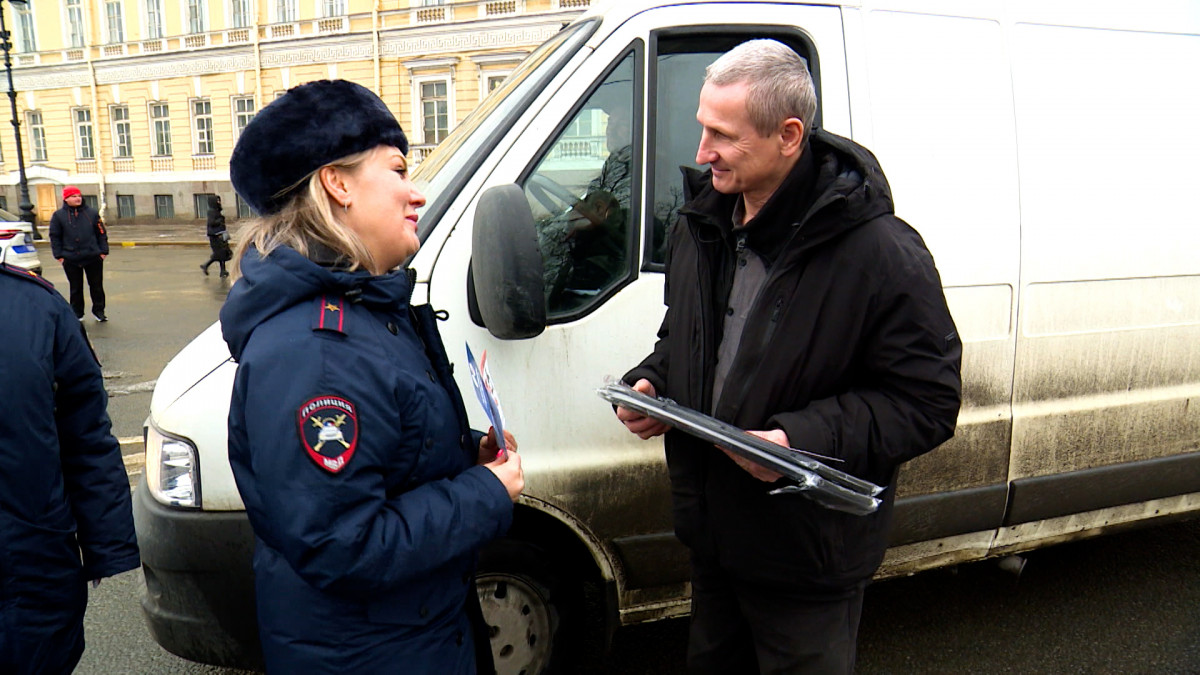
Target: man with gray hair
point(801, 308)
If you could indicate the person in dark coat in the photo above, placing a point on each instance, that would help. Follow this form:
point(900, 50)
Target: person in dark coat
point(79, 241)
point(65, 511)
point(800, 308)
point(218, 237)
point(368, 493)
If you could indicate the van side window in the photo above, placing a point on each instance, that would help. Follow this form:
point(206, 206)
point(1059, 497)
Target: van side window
point(680, 63)
point(580, 194)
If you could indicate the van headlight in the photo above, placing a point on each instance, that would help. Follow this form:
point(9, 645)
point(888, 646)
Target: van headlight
point(172, 469)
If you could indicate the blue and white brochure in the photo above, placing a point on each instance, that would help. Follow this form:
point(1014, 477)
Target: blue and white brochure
point(481, 380)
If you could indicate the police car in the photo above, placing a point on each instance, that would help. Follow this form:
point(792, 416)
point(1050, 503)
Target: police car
point(16, 243)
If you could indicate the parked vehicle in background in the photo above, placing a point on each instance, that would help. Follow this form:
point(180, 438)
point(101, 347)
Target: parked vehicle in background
point(1043, 151)
point(16, 243)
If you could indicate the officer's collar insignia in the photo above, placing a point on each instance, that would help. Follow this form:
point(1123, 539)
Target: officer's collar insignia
point(330, 314)
point(329, 430)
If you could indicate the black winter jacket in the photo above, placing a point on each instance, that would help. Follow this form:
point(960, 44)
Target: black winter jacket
point(77, 234)
point(849, 348)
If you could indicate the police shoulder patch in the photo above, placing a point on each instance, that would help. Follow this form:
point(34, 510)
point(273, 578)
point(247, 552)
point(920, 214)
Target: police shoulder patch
point(329, 431)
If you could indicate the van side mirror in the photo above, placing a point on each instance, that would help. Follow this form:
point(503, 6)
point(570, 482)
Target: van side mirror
point(506, 266)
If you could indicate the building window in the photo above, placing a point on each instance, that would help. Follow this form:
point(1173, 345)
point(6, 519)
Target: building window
point(200, 203)
point(121, 133)
point(75, 22)
point(202, 126)
point(243, 112)
point(154, 19)
point(164, 206)
point(92, 202)
point(84, 148)
point(126, 207)
point(435, 111)
point(334, 7)
point(241, 13)
point(285, 11)
point(494, 81)
point(243, 209)
point(3, 203)
point(196, 16)
point(160, 117)
point(37, 135)
point(25, 36)
point(115, 21)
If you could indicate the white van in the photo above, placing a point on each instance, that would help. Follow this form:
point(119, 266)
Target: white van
point(1045, 151)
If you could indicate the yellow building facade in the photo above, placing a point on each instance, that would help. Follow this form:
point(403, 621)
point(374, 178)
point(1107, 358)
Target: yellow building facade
point(140, 102)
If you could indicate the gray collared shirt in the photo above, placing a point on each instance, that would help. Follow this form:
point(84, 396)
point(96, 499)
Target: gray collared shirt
point(749, 276)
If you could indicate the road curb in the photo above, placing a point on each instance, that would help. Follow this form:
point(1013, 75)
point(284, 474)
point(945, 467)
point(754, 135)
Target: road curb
point(134, 244)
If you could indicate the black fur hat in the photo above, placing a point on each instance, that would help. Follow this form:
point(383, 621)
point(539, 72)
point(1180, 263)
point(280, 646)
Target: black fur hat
point(306, 128)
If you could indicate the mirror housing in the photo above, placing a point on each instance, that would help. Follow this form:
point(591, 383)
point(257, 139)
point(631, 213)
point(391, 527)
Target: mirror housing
point(505, 280)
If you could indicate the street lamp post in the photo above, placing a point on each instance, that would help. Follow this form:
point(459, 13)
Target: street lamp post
point(25, 205)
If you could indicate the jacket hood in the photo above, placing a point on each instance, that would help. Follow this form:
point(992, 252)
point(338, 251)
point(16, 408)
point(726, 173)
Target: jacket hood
point(272, 284)
point(850, 190)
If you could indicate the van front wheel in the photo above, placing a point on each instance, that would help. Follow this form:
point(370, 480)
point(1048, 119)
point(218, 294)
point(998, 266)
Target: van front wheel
point(523, 601)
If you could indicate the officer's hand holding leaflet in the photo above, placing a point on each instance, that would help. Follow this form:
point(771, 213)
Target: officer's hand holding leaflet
point(507, 465)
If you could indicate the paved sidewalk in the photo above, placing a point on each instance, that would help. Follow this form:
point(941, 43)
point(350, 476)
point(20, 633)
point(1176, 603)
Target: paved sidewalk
point(165, 234)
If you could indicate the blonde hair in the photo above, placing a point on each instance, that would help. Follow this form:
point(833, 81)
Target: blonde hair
point(306, 219)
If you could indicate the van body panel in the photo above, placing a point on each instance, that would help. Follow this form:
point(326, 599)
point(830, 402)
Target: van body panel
point(1045, 152)
point(1108, 359)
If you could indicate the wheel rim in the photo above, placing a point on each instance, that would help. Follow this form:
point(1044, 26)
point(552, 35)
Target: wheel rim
point(519, 620)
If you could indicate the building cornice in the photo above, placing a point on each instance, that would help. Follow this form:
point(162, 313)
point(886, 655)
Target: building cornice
point(402, 43)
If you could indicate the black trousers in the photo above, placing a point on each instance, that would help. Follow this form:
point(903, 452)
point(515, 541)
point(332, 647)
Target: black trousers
point(95, 281)
point(740, 629)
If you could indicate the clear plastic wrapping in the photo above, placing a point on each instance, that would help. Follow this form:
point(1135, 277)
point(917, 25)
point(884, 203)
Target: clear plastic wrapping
point(810, 477)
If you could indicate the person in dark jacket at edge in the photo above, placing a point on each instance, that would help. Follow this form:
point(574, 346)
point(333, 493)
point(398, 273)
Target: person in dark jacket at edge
point(368, 493)
point(79, 241)
point(800, 308)
point(65, 511)
point(218, 237)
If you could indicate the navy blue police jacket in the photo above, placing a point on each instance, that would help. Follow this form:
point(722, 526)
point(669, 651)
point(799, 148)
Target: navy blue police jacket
point(65, 511)
point(349, 443)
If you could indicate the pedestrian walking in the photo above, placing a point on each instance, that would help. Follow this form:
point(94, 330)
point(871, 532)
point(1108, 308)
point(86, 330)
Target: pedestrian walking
point(218, 237)
point(65, 513)
point(368, 493)
point(801, 308)
point(79, 241)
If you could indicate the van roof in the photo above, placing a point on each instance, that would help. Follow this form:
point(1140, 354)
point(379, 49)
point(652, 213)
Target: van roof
point(1178, 17)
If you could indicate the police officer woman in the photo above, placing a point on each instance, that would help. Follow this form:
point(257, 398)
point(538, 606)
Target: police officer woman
point(368, 493)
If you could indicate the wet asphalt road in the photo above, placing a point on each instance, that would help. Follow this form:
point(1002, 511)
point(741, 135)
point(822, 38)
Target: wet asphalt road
point(1123, 603)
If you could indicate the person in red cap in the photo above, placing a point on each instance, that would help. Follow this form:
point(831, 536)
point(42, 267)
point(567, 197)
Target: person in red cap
point(78, 241)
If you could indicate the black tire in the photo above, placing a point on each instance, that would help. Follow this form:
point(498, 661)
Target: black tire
point(530, 607)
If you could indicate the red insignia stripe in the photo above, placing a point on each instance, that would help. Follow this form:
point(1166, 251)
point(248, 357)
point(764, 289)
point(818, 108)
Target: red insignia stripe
point(322, 323)
point(341, 312)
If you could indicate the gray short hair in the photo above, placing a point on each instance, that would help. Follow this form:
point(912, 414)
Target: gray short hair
point(779, 83)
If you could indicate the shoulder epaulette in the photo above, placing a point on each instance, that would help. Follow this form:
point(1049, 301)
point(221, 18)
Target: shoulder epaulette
point(22, 273)
point(330, 313)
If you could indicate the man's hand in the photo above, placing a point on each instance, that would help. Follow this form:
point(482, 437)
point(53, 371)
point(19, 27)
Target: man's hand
point(644, 426)
point(776, 436)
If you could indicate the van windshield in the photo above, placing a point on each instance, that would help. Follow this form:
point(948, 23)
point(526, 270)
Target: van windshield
point(444, 171)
